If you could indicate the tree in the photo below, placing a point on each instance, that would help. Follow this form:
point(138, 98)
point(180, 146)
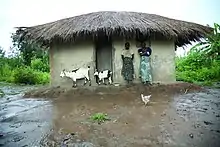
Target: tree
point(28, 48)
point(211, 45)
point(2, 52)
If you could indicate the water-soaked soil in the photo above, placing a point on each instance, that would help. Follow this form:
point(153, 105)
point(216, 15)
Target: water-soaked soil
point(178, 115)
point(23, 122)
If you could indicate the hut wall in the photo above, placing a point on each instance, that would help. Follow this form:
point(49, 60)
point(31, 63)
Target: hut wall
point(70, 57)
point(83, 54)
point(162, 61)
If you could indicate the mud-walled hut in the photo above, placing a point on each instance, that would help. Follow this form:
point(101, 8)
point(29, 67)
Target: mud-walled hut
point(97, 39)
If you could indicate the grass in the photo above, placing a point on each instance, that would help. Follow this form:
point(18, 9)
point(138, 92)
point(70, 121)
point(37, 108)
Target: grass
point(99, 117)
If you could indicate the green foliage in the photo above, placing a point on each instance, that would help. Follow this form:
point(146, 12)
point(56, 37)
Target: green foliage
point(203, 74)
point(39, 65)
point(29, 66)
point(202, 64)
point(99, 117)
point(6, 73)
point(212, 43)
point(14, 72)
point(29, 76)
point(2, 52)
point(28, 49)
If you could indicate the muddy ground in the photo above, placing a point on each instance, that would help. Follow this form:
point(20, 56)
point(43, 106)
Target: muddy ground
point(67, 92)
point(178, 115)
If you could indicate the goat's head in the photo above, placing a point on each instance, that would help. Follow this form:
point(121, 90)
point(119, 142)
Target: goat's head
point(110, 72)
point(62, 73)
point(96, 73)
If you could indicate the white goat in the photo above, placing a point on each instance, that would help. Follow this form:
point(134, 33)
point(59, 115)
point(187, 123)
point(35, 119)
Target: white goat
point(77, 74)
point(101, 76)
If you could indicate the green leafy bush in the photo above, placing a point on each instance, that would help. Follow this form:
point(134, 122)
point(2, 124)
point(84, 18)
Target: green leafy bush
point(13, 69)
point(42, 77)
point(29, 76)
point(39, 65)
point(6, 73)
point(25, 76)
point(192, 70)
point(202, 64)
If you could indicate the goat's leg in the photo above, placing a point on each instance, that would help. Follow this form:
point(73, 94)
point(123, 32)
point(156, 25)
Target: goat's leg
point(87, 77)
point(90, 82)
point(103, 81)
point(99, 81)
point(85, 81)
point(110, 80)
point(74, 83)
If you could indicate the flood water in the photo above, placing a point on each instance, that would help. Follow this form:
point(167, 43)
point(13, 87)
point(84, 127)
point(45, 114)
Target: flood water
point(23, 122)
point(170, 119)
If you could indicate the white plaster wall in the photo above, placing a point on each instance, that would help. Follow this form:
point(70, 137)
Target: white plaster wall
point(70, 57)
point(162, 61)
point(83, 54)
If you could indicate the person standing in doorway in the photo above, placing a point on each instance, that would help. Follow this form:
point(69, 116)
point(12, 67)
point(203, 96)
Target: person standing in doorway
point(145, 67)
point(127, 66)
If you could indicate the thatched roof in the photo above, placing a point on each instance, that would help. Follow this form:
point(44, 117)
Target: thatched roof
point(121, 24)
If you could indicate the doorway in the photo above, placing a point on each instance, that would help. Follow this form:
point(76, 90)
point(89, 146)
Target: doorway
point(104, 54)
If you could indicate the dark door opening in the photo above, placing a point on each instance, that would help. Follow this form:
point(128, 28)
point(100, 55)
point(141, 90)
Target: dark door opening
point(104, 54)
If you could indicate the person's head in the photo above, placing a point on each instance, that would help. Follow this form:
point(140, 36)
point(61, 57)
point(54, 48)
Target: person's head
point(127, 45)
point(143, 44)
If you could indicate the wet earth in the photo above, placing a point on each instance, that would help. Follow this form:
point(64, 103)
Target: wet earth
point(181, 115)
point(23, 122)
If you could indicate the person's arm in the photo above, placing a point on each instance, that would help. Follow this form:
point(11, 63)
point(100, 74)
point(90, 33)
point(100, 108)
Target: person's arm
point(139, 50)
point(149, 51)
point(132, 56)
point(122, 57)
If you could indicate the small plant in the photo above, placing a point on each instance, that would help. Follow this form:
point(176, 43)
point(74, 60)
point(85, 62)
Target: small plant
point(99, 117)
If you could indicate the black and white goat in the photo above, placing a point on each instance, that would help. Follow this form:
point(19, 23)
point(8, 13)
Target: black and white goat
point(101, 76)
point(77, 74)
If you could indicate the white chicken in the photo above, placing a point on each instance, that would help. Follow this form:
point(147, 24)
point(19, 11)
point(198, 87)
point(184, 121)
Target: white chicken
point(145, 99)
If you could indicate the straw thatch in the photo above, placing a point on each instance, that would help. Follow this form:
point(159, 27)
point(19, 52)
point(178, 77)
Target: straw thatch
point(121, 24)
